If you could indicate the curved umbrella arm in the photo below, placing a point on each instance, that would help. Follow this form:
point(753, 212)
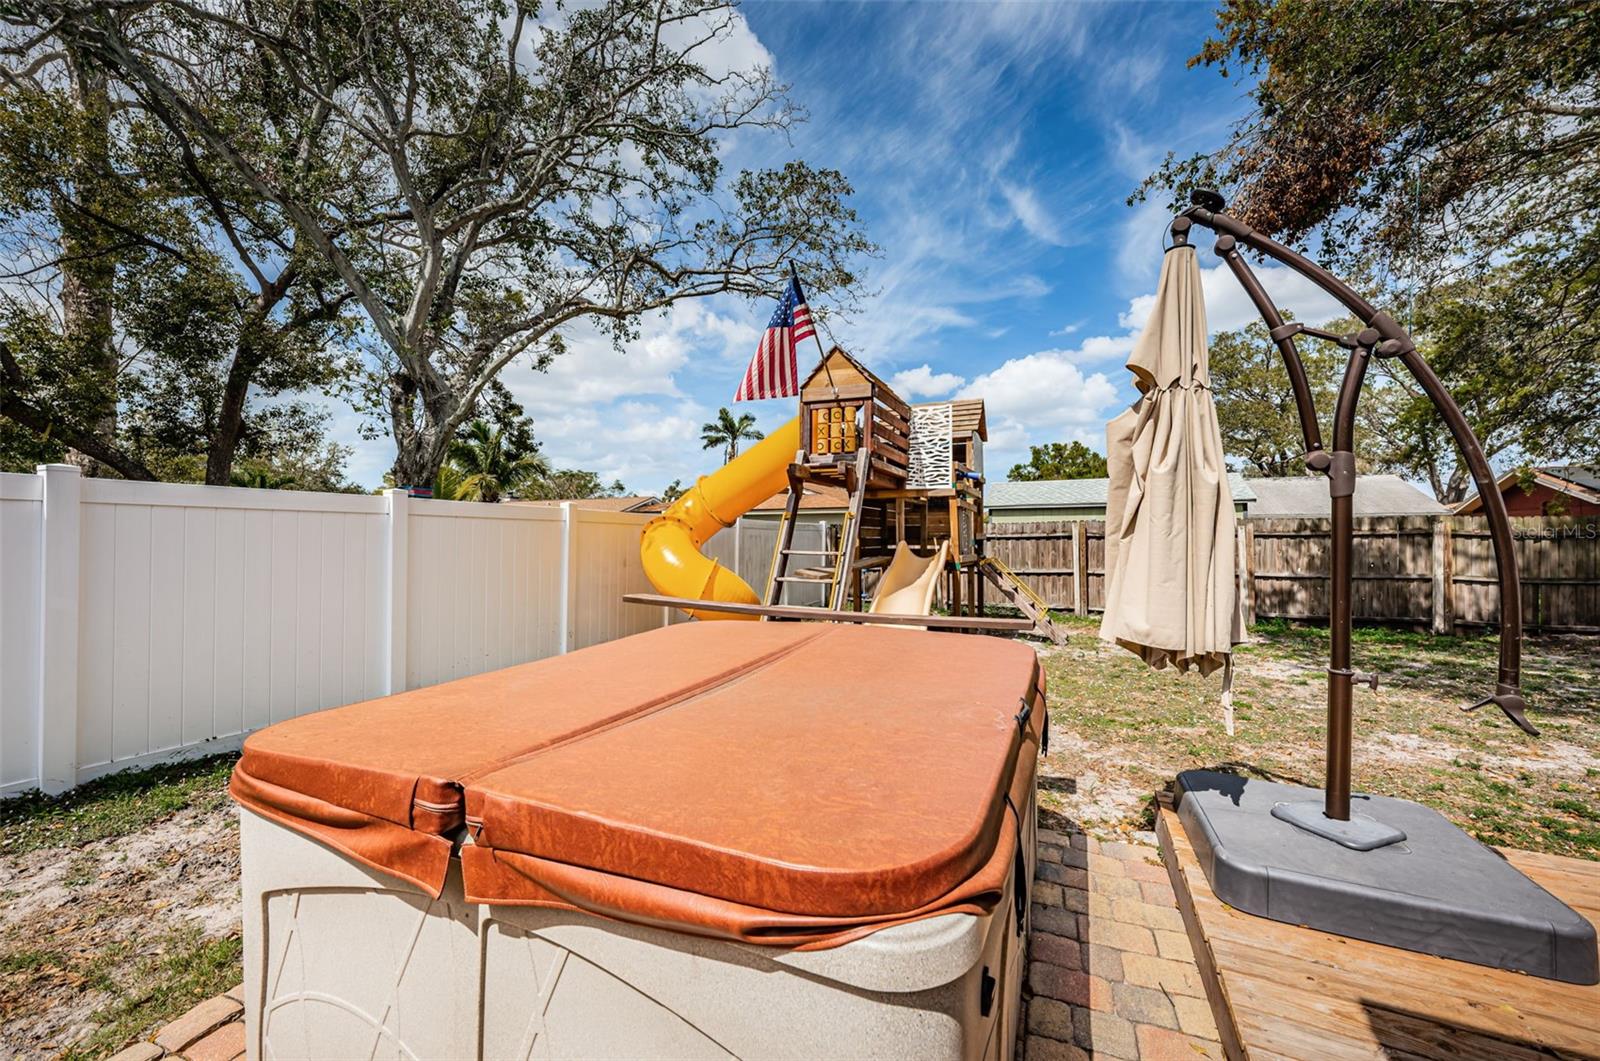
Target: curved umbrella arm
point(1316, 457)
point(1393, 341)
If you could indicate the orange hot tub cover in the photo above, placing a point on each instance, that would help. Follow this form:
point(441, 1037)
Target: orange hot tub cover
point(773, 782)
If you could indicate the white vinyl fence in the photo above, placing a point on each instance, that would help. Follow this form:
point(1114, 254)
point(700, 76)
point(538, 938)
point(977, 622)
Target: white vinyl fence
point(142, 622)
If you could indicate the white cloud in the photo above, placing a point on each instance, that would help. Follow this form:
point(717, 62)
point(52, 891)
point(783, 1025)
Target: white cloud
point(924, 382)
point(1228, 307)
point(1139, 245)
point(1036, 219)
point(1106, 347)
point(1050, 396)
point(1041, 397)
point(1067, 329)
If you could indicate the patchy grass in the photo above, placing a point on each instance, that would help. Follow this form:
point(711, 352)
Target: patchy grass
point(1124, 730)
point(113, 806)
point(119, 909)
point(185, 969)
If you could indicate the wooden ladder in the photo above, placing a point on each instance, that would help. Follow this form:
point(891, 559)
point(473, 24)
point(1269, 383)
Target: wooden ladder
point(1022, 598)
point(834, 576)
point(850, 533)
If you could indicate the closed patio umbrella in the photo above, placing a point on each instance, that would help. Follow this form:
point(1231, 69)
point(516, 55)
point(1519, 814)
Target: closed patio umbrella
point(1171, 593)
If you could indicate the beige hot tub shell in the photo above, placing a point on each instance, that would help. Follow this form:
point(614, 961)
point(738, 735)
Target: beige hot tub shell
point(711, 840)
point(344, 961)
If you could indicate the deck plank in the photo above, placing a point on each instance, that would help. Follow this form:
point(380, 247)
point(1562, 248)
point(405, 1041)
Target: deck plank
point(1280, 990)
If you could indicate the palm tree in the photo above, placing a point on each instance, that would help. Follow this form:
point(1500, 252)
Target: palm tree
point(726, 431)
point(489, 469)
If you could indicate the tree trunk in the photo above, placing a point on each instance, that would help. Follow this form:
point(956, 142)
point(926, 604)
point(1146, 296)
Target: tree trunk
point(88, 269)
point(419, 446)
point(230, 418)
point(1455, 489)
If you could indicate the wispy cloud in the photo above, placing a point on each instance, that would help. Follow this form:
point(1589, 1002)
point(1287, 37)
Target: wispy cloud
point(1031, 214)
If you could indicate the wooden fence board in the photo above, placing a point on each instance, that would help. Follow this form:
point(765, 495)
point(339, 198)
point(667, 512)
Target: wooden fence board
point(1398, 569)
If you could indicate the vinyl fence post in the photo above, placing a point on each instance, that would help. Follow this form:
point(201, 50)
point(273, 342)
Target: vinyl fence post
point(1443, 620)
point(60, 554)
point(396, 637)
point(568, 583)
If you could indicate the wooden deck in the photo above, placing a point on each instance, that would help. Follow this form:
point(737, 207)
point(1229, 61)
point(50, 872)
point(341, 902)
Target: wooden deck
point(1282, 991)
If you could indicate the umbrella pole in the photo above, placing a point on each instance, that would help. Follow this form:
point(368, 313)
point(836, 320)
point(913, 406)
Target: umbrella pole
point(1341, 490)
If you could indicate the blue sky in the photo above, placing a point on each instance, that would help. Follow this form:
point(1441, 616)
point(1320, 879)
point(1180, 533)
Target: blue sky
point(991, 147)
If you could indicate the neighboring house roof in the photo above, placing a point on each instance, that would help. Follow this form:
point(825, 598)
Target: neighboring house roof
point(966, 417)
point(630, 503)
point(1575, 480)
point(1306, 497)
point(818, 497)
point(1073, 493)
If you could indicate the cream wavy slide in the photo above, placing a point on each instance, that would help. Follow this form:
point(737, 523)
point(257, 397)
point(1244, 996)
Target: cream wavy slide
point(909, 582)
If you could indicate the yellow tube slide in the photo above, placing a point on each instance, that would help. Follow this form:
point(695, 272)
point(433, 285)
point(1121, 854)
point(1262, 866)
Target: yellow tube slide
point(670, 547)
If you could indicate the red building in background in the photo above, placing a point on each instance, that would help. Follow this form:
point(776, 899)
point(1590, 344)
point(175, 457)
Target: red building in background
point(1553, 490)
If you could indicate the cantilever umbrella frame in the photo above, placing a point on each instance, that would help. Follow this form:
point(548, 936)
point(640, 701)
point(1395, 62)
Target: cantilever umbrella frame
point(1382, 337)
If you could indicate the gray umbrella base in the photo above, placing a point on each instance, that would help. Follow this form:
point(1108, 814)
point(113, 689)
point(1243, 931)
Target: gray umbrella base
point(1361, 832)
point(1438, 891)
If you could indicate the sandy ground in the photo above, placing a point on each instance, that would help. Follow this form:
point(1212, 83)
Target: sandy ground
point(98, 911)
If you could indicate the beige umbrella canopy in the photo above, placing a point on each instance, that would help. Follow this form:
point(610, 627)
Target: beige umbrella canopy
point(1171, 593)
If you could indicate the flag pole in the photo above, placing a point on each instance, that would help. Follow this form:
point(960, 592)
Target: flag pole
point(793, 272)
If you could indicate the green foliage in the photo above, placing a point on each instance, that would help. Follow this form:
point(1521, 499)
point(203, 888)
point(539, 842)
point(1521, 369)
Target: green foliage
point(1408, 125)
point(160, 314)
point(573, 484)
point(1256, 410)
point(472, 207)
point(490, 465)
point(672, 491)
point(1059, 460)
point(727, 431)
point(1519, 348)
point(1457, 145)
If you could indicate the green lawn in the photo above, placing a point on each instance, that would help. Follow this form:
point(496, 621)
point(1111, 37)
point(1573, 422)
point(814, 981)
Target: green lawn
point(112, 806)
point(1126, 730)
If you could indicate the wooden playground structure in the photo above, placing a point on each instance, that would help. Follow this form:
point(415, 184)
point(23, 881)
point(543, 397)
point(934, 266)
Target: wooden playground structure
point(914, 518)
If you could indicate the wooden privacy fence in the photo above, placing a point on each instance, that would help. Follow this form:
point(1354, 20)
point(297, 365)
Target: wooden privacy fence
point(1430, 571)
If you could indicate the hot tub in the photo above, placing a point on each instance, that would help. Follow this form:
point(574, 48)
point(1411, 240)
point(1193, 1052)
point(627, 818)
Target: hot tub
point(711, 840)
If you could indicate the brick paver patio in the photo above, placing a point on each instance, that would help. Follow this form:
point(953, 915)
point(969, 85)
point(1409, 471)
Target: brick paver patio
point(1110, 974)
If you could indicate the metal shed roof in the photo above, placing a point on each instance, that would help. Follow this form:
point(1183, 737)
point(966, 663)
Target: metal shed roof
point(1306, 496)
point(1073, 493)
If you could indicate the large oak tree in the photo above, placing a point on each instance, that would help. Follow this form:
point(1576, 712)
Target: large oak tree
point(480, 175)
point(154, 313)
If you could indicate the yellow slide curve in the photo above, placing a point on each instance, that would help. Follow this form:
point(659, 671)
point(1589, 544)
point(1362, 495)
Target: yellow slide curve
point(670, 548)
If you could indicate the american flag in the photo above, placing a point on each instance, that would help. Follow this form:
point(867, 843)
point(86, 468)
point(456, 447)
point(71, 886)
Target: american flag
point(772, 372)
